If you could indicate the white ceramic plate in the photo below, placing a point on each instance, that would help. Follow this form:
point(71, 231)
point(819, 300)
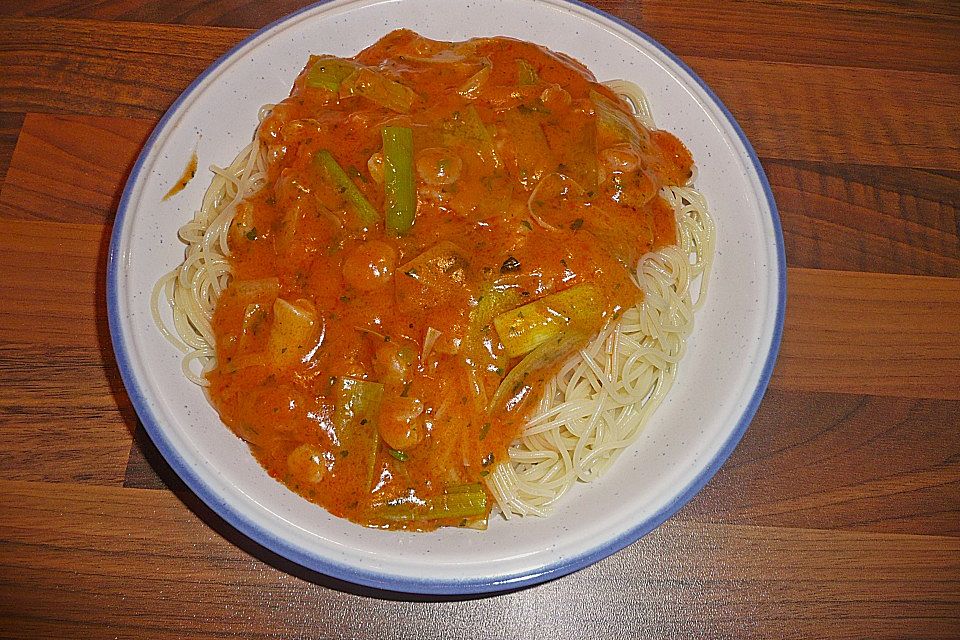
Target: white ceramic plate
point(721, 379)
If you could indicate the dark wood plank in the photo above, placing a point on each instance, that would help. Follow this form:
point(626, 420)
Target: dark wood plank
point(248, 14)
point(876, 334)
point(881, 36)
point(789, 111)
point(103, 68)
point(98, 562)
point(146, 467)
point(863, 463)
point(63, 414)
point(71, 169)
point(887, 35)
point(863, 218)
point(841, 114)
point(10, 124)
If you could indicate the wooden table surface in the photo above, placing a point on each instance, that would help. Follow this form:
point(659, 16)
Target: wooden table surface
point(837, 516)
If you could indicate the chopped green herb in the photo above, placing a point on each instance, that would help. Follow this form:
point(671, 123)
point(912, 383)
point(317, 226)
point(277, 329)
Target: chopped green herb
point(252, 234)
point(399, 455)
point(576, 224)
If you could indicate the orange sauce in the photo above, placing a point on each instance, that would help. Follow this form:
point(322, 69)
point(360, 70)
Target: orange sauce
point(188, 172)
point(524, 189)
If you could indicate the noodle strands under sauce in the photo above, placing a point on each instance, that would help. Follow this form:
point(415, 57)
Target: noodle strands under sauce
point(436, 235)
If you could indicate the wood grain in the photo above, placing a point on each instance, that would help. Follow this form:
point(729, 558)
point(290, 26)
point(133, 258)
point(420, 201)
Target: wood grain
point(208, 587)
point(10, 124)
point(53, 301)
point(881, 36)
point(836, 516)
point(835, 461)
point(102, 68)
point(868, 218)
point(884, 35)
point(903, 339)
point(63, 414)
point(137, 67)
point(840, 114)
point(71, 169)
point(249, 14)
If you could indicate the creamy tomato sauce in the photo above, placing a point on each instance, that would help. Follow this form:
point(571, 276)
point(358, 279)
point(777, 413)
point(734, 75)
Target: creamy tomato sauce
point(381, 370)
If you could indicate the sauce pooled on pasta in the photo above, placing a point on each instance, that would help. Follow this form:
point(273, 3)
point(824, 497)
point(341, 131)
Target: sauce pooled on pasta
point(443, 225)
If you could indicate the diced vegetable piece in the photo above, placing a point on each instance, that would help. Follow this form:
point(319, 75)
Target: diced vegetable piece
point(257, 359)
point(469, 501)
point(528, 75)
point(473, 487)
point(255, 290)
point(466, 126)
point(365, 211)
point(518, 383)
point(471, 88)
point(398, 187)
point(614, 125)
point(431, 277)
point(254, 316)
point(294, 333)
point(356, 405)
point(522, 330)
point(491, 303)
point(328, 72)
point(243, 224)
point(532, 153)
point(428, 341)
point(377, 87)
point(355, 415)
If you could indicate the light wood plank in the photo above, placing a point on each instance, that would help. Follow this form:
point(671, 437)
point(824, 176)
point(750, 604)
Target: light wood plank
point(140, 564)
point(52, 289)
point(63, 413)
point(71, 169)
point(873, 334)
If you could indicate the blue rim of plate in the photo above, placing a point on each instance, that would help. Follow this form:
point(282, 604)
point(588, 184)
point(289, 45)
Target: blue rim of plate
point(353, 574)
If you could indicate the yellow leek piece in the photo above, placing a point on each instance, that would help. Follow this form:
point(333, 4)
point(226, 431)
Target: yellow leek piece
point(522, 330)
point(294, 333)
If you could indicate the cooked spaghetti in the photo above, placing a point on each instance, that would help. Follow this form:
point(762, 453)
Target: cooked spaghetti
point(441, 273)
